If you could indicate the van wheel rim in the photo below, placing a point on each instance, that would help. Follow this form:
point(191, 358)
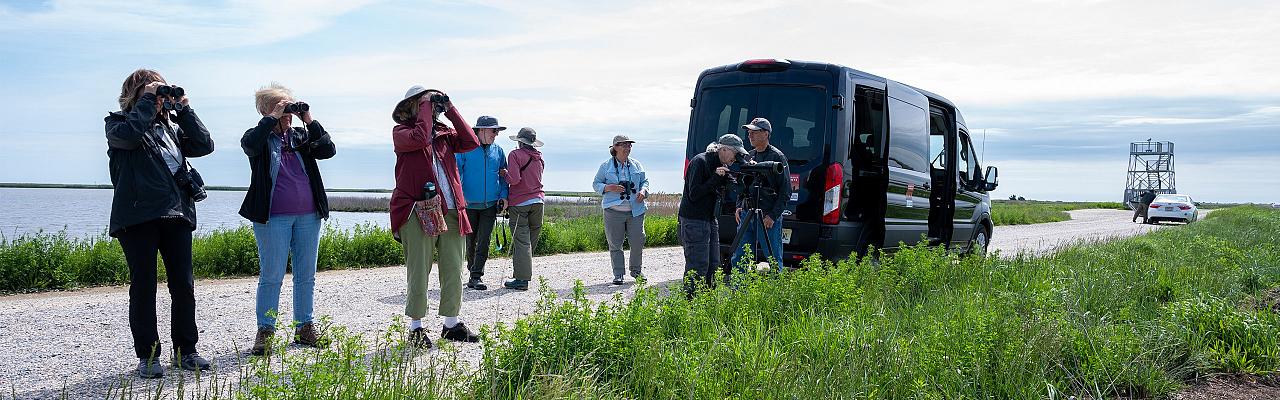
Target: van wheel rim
point(981, 242)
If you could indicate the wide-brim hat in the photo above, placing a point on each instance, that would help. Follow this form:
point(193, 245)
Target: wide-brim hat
point(487, 122)
point(413, 92)
point(527, 136)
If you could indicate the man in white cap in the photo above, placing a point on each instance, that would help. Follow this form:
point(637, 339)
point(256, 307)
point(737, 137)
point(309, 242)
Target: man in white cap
point(771, 202)
point(699, 231)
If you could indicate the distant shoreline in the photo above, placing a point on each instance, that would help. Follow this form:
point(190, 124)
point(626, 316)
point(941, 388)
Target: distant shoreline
point(23, 185)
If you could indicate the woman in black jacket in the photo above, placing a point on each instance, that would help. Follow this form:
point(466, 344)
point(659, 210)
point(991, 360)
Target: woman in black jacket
point(286, 202)
point(152, 211)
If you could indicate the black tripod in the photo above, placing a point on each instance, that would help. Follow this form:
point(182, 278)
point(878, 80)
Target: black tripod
point(754, 218)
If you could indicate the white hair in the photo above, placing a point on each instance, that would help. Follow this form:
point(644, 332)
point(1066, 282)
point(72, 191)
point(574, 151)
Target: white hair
point(266, 98)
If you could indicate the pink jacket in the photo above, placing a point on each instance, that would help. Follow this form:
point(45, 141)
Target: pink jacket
point(524, 173)
point(414, 168)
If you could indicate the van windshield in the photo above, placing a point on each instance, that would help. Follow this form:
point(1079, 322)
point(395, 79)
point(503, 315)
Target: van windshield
point(797, 113)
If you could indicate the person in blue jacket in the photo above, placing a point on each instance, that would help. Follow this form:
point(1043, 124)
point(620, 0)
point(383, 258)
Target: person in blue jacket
point(482, 172)
point(623, 187)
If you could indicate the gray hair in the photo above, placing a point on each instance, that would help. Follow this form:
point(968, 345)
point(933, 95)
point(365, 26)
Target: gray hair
point(266, 97)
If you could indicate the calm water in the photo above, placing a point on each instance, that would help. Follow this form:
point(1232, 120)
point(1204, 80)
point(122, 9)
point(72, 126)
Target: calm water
point(86, 212)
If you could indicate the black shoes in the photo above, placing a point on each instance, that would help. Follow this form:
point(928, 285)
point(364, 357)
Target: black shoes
point(191, 362)
point(516, 284)
point(149, 368)
point(459, 333)
point(477, 284)
point(418, 338)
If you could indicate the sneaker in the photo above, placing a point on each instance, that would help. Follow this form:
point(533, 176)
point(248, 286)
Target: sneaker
point(459, 333)
point(418, 338)
point(307, 335)
point(516, 284)
point(477, 284)
point(617, 281)
point(149, 368)
point(191, 362)
point(262, 341)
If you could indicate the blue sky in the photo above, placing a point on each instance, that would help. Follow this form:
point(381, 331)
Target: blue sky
point(1060, 87)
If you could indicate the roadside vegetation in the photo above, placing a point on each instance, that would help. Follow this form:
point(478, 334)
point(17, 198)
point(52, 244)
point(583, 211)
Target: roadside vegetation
point(1134, 318)
point(1023, 212)
point(38, 262)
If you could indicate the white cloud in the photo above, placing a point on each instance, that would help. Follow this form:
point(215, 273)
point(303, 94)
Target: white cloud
point(161, 27)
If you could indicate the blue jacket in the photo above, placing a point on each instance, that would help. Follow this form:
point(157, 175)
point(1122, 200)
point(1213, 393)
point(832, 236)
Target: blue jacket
point(611, 172)
point(481, 184)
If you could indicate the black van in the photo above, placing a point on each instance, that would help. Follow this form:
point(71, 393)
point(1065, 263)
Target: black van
point(873, 162)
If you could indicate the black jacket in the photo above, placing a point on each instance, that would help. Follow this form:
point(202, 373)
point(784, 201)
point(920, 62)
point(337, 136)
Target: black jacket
point(1147, 197)
point(312, 143)
point(144, 187)
point(773, 204)
point(701, 185)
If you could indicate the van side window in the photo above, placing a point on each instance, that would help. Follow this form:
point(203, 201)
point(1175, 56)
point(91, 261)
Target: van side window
point(966, 164)
point(937, 139)
point(868, 126)
point(908, 136)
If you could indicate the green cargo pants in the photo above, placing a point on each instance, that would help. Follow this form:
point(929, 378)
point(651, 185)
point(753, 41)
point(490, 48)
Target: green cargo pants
point(418, 251)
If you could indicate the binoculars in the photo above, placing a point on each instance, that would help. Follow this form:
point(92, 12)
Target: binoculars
point(170, 91)
point(297, 108)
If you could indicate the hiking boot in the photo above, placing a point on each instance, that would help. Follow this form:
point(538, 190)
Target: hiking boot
point(262, 341)
point(418, 338)
point(477, 284)
point(459, 333)
point(149, 368)
point(307, 335)
point(191, 362)
point(516, 284)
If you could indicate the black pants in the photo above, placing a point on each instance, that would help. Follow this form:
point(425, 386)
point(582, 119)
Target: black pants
point(478, 241)
point(172, 238)
point(701, 242)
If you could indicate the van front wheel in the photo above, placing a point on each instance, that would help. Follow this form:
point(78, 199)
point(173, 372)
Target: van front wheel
point(978, 245)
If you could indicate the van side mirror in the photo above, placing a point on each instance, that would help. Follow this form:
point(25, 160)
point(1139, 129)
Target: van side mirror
point(992, 179)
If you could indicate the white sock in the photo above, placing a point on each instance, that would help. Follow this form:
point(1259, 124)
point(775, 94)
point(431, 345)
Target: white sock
point(415, 324)
point(450, 322)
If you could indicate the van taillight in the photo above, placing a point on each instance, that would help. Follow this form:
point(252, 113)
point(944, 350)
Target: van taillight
point(684, 173)
point(831, 197)
point(764, 65)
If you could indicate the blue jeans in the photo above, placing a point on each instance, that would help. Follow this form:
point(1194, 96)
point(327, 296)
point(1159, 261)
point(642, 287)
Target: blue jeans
point(754, 236)
point(280, 237)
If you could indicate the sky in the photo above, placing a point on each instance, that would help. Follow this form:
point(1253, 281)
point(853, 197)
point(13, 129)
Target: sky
point(1053, 91)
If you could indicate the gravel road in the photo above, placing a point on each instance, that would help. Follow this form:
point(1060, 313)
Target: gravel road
point(80, 339)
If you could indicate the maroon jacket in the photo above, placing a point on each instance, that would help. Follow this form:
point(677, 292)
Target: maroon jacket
point(414, 169)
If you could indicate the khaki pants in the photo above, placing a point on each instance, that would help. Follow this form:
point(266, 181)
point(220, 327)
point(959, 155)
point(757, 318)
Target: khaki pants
point(527, 226)
point(418, 251)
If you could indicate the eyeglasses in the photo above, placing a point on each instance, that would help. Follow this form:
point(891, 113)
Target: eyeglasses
point(623, 144)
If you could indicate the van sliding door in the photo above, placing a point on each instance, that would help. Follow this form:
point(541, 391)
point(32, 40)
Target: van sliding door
point(907, 197)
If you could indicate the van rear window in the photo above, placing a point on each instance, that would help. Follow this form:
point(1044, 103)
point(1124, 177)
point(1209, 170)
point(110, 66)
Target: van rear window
point(798, 115)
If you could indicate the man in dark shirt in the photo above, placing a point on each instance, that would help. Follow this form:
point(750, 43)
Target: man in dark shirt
point(1144, 202)
point(772, 201)
point(699, 232)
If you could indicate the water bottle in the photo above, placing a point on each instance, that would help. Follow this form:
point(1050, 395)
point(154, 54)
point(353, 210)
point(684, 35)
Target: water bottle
point(429, 189)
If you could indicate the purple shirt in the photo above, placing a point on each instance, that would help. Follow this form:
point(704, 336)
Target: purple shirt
point(292, 192)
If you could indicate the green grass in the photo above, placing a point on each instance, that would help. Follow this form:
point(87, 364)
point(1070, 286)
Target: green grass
point(40, 262)
point(1134, 318)
point(1004, 212)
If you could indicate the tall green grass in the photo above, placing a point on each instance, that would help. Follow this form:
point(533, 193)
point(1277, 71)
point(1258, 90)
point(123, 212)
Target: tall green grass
point(38, 262)
point(1135, 318)
point(1005, 212)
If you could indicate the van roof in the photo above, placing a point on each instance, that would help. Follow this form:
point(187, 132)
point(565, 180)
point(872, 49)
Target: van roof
point(813, 65)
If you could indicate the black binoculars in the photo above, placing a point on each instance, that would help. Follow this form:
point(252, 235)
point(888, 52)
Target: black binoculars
point(439, 98)
point(628, 187)
point(297, 108)
point(170, 91)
